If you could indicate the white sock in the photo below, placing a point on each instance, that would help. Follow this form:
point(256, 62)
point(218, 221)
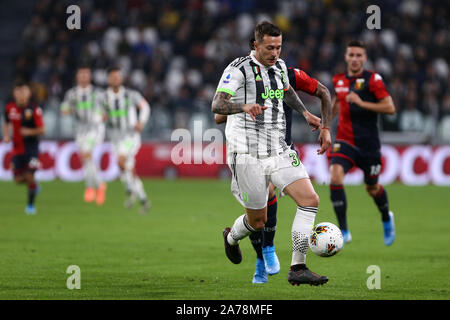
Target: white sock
point(139, 188)
point(90, 173)
point(301, 228)
point(127, 179)
point(240, 230)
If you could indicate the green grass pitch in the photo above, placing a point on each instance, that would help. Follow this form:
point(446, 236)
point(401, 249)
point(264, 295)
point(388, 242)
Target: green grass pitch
point(176, 250)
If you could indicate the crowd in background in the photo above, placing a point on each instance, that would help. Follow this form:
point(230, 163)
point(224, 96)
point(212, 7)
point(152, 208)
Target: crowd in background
point(174, 53)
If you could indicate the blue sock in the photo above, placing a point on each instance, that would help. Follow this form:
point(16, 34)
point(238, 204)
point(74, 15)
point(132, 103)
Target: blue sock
point(271, 224)
point(256, 240)
point(381, 200)
point(339, 201)
point(32, 187)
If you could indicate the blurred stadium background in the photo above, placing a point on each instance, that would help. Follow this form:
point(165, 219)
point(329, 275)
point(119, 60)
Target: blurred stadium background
point(174, 52)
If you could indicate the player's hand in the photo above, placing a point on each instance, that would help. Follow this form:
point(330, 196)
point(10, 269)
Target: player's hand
point(253, 109)
point(6, 139)
point(139, 126)
point(324, 140)
point(25, 132)
point(352, 97)
point(312, 120)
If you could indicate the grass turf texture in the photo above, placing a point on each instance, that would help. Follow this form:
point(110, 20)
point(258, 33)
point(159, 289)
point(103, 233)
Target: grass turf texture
point(176, 250)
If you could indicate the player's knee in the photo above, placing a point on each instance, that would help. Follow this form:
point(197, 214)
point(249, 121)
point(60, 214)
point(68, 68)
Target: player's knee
point(315, 200)
point(121, 162)
point(372, 190)
point(257, 223)
point(311, 200)
point(19, 179)
point(336, 177)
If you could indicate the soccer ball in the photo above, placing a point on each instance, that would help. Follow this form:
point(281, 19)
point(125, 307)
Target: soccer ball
point(326, 239)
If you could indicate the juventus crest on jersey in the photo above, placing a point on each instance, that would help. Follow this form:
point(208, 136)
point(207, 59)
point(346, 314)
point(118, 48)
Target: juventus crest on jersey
point(248, 81)
point(125, 108)
point(85, 103)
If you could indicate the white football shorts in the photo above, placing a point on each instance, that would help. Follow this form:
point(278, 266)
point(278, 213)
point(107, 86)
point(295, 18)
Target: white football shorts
point(87, 138)
point(251, 176)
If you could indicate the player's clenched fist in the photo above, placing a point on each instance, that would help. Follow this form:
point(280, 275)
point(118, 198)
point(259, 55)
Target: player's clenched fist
point(253, 109)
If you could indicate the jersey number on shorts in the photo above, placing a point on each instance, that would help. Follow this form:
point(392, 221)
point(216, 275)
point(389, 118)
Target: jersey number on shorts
point(294, 156)
point(375, 169)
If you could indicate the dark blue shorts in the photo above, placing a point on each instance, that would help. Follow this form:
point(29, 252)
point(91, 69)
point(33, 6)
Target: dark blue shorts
point(26, 162)
point(349, 156)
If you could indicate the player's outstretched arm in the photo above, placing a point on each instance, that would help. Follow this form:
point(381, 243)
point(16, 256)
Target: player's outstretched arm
point(222, 105)
point(292, 100)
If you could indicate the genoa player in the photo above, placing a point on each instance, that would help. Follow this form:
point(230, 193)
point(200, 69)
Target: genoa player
point(360, 96)
point(27, 124)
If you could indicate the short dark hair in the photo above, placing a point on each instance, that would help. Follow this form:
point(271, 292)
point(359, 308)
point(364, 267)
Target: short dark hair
point(20, 83)
point(84, 66)
point(266, 28)
point(251, 43)
point(113, 68)
point(356, 43)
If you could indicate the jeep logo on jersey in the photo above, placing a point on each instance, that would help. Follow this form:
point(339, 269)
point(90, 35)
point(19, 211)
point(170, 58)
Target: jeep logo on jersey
point(278, 93)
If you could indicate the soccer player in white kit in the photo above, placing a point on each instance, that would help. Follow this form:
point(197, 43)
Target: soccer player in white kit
point(127, 113)
point(85, 102)
point(251, 92)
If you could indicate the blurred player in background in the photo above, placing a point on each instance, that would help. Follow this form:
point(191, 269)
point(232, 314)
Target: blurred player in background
point(27, 124)
point(267, 262)
point(85, 102)
point(127, 113)
point(360, 96)
point(251, 92)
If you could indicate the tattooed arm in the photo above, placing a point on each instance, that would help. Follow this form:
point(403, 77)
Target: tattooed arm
point(222, 105)
point(324, 95)
point(292, 100)
point(325, 135)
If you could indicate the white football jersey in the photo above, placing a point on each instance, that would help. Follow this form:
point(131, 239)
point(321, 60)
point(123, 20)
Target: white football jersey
point(248, 81)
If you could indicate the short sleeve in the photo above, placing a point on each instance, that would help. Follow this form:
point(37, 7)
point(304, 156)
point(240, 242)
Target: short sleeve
point(38, 117)
point(232, 79)
point(304, 82)
point(284, 75)
point(377, 87)
point(136, 98)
